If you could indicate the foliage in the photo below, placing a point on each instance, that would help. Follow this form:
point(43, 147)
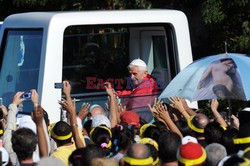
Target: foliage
point(228, 21)
point(84, 4)
point(20, 3)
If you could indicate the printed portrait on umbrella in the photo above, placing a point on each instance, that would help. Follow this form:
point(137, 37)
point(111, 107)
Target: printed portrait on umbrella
point(220, 80)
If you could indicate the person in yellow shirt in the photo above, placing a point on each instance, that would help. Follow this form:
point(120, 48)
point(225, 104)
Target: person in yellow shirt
point(62, 135)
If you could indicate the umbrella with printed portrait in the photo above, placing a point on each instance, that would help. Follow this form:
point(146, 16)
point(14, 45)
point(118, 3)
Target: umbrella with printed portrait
point(222, 76)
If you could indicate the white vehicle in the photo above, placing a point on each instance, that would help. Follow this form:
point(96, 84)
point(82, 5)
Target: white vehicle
point(40, 49)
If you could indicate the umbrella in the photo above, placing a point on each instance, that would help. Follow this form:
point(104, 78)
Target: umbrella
point(221, 76)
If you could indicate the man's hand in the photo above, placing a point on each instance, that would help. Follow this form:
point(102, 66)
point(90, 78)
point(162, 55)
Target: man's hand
point(38, 115)
point(177, 103)
point(84, 111)
point(17, 99)
point(69, 106)
point(121, 108)
point(162, 111)
point(156, 103)
point(214, 105)
point(66, 88)
point(34, 96)
point(109, 88)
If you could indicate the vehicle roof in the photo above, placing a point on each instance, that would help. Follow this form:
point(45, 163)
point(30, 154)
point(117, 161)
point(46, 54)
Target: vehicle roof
point(41, 19)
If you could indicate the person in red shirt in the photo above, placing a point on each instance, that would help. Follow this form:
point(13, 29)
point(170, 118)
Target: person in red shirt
point(143, 90)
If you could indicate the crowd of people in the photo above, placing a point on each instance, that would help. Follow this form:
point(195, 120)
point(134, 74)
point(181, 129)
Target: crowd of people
point(177, 135)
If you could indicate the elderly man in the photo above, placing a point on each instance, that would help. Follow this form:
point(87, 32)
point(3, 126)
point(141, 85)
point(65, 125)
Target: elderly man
point(138, 154)
point(141, 90)
point(141, 81)
point(197, 123)
point(215, 153)
point(96, 109)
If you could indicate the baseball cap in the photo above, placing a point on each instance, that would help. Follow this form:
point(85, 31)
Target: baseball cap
point(130, 118)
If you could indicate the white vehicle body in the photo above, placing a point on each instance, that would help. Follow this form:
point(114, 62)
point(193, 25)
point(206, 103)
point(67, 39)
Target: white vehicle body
point(141, 25)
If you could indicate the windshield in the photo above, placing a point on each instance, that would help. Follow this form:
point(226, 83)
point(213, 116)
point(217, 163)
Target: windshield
point(21, 51)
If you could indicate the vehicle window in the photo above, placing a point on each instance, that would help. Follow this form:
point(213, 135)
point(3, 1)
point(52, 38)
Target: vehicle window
point(93, 55)
point(160, 53)
point(21, 51)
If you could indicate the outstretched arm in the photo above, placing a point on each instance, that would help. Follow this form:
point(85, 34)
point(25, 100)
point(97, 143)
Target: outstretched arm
point(218, 117)
point(70, 108)
point(177, 104)
point(113, 116)
point(11, 125)
point(155, 113)
point(42, 141)
point(186, 107)
point(164, 115)
point(42, 130)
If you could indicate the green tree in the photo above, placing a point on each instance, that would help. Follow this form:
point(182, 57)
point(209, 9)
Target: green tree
point(228, 21)
point(83, 4)
point(8, 7)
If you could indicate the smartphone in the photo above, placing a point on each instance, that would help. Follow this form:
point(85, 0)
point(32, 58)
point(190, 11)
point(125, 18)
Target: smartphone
point(27, 95)
point(59, 85)
point(1, 101)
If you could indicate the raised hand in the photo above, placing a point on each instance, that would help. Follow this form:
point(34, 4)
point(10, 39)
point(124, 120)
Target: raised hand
point(121, 108)
point(83, 112)
point(156, 103)
point(184, 102)
point(109, 88)
point(69, 106)
point(189, 110)
point(38, 115)
point(218, 117)
point(177, 103)
point(214, 104)
point(163, 115)
point(162, 111)
point(34, 96)
point(17, 99)
point(66, 88)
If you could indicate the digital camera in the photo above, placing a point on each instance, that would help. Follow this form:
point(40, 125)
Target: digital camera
point(27, 95)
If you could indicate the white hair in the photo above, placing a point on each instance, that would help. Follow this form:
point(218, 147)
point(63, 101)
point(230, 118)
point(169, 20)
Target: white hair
point(215, 153)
